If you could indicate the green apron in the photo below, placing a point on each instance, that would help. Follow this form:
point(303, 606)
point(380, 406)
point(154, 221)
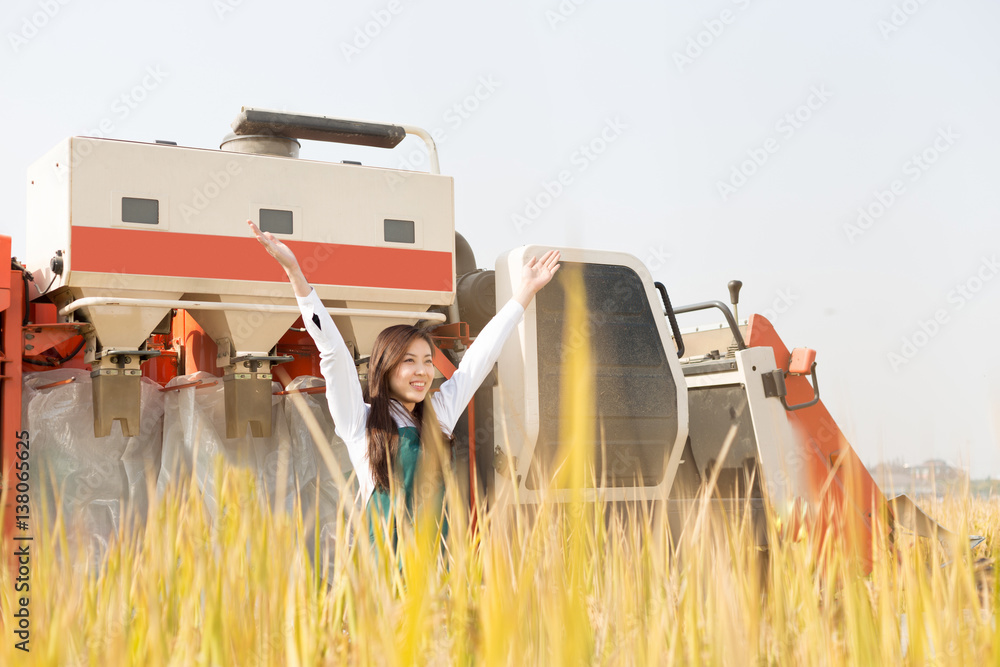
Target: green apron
point(406, 468)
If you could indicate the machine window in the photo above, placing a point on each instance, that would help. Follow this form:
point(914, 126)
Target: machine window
point(399, 231)
point(145, 211)
point(275, 221)
point(636, 405)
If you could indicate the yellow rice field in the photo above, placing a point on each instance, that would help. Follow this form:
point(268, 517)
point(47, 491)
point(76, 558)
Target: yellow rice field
point(564, 586)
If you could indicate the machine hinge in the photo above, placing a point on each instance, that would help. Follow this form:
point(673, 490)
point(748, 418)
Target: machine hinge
point(774, 383)
point(502, 463)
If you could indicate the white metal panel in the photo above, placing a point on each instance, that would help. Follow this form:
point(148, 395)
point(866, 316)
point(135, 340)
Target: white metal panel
point(49, 216)
point(781, 454)
point(516, 400)
point(206, 196)
point(209, 192)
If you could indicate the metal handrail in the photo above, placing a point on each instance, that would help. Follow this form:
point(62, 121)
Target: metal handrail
point(92, 301)
point(253, 121)
point(670, 312)
point(705, 305)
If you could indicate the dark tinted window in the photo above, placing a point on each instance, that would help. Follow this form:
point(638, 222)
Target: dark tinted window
point(145, 211)
point(635, 415)
point(399, 231)
point(275, 221)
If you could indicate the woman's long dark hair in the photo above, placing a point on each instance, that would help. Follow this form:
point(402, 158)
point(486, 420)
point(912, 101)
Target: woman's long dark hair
point(382, 435)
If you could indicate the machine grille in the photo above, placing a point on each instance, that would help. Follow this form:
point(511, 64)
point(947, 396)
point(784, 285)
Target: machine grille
point(634, 415)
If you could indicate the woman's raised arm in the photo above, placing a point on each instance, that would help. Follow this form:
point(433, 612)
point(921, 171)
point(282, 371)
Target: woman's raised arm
point(284, 256)
point(343, 389)
point(455, 394)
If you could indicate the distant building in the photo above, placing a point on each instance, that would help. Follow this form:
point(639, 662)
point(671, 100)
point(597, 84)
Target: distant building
point(933, 477)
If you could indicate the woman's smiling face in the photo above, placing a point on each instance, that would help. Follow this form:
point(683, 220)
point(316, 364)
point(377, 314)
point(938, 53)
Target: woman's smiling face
point(411, 379)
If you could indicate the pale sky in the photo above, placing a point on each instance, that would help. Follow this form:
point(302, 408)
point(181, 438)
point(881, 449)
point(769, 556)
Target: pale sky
point(731, 139)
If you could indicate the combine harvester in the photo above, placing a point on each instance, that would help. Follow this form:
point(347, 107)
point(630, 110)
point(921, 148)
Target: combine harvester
point(142, 289)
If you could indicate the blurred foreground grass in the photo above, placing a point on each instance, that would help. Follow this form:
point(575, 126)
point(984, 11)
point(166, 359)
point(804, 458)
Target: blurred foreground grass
point(565, 587)
point(561, 584)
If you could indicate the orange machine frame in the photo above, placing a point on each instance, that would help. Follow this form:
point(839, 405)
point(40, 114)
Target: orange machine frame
point(847, 500)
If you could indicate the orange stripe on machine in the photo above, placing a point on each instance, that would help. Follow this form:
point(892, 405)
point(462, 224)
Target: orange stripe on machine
point(150, 253)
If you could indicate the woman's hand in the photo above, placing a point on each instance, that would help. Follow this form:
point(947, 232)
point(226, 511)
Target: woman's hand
point(275, 248)
point(535, 275)
point(285, 257)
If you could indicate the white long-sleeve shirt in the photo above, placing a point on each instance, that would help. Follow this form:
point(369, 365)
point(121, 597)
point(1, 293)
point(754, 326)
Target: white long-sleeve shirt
point(343, 389)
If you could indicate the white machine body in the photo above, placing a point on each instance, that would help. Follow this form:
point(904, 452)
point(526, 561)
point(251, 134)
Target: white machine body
point(161, 222)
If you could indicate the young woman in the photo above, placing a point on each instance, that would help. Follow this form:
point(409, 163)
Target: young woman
point(383, 435)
